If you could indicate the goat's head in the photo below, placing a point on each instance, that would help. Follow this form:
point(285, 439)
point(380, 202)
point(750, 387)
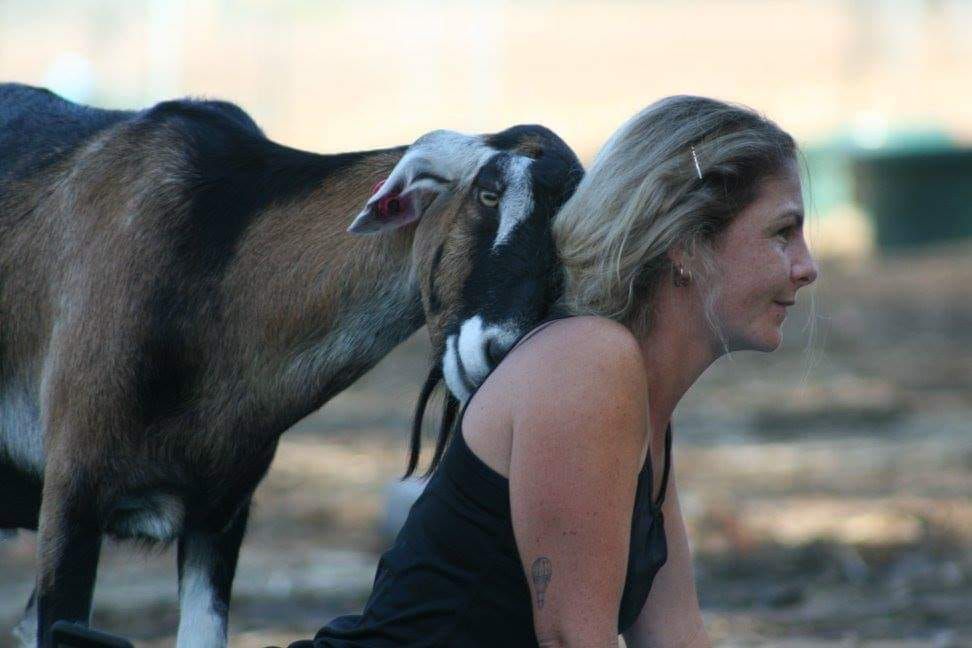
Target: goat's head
point(483, 253)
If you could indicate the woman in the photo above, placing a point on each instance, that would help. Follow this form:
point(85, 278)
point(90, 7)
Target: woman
point(554, 516)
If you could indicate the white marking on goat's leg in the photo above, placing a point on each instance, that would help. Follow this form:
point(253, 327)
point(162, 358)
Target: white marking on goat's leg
point(207, 564)
point(202, 620)
point(26, 631)
point(202, 617)
point(517, 201)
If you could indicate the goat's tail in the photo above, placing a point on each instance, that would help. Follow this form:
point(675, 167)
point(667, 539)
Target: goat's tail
point(450, 407)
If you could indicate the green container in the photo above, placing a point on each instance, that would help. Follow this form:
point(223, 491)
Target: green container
point(827, 181)
point(915, 196)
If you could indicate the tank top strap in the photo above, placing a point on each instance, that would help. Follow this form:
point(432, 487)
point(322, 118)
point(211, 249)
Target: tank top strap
point(666, 469)
point(553, 315)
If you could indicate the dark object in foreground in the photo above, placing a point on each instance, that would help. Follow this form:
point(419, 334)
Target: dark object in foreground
point(65, 634)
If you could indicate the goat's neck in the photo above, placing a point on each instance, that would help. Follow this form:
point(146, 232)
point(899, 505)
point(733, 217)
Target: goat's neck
point(317, 305)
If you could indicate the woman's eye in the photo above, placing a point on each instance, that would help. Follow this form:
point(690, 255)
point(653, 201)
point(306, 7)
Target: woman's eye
point(488, 198)
point(786, 232)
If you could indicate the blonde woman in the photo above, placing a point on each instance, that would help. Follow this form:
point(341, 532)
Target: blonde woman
point(553, 518)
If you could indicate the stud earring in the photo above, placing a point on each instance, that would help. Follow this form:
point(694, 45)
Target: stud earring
point(680, 276)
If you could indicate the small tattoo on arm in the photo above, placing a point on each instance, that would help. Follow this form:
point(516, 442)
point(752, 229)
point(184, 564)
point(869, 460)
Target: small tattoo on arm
point(540, 572)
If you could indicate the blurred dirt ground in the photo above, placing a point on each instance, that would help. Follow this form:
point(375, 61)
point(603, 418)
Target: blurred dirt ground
point(827, 486)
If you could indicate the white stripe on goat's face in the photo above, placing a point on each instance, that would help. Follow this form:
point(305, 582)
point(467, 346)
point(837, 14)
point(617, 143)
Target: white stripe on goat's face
point(484, 337)
point(517, 201)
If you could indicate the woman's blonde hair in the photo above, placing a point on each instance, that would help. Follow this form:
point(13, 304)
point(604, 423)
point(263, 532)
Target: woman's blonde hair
point(676, 173)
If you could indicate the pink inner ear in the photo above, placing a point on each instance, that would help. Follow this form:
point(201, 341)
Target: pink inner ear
point(390, 207)
point(395, 207)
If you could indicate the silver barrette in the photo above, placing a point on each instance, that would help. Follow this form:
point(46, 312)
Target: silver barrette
point(695, 158)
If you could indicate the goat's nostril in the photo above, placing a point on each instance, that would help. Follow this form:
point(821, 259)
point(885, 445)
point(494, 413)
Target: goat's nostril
point(494, 351)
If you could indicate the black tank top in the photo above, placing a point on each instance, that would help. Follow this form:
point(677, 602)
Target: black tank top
point(453, 577)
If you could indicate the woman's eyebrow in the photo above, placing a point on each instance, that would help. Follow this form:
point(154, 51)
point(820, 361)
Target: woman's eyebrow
point(795, 214)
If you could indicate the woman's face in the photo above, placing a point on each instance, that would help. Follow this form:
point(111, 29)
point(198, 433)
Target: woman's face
point(762, 261)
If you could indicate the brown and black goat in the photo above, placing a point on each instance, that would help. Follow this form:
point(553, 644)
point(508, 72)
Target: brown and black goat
point(176, 291)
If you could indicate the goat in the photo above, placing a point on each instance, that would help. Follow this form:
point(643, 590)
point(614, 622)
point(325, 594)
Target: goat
point(177, 290)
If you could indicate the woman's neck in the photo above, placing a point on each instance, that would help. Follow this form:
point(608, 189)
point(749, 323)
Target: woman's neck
point(677, 350)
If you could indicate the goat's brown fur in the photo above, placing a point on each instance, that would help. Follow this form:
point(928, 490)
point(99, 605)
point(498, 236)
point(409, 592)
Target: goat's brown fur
point(161, 379)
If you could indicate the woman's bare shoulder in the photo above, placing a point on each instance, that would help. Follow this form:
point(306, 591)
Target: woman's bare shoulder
point(583, 338)
point(585, 355)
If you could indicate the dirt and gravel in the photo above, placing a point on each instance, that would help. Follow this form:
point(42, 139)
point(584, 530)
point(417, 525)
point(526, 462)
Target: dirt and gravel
point(827, 487)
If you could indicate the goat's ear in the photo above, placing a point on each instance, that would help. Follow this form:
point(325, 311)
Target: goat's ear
point(401, 199)
point(388, 208)
point(430, 167)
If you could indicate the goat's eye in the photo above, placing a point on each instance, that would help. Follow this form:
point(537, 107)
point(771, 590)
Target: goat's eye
point(488, 198)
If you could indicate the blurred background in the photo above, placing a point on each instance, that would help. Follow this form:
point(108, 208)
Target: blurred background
point(827, 486)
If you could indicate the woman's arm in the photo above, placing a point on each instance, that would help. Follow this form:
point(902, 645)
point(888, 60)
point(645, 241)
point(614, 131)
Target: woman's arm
point(671, 617)
point(579, 429)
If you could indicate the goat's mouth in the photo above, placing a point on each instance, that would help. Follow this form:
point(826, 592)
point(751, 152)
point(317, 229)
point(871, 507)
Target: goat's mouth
point(472, 353)
point(454, 371)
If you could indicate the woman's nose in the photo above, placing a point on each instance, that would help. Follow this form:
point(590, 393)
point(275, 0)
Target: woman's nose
point(805, 268)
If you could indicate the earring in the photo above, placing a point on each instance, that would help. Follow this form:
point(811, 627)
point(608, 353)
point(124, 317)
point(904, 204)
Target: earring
point(680, 276)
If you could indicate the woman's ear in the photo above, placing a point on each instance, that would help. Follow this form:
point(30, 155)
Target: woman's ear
point(679, 255)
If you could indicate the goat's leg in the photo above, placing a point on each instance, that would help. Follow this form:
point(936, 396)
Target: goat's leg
point(207, 564)
point(68, 547)
point(21, 497)
point(26, 630)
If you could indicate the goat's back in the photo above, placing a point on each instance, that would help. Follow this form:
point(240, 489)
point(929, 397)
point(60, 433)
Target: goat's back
point(37, 127)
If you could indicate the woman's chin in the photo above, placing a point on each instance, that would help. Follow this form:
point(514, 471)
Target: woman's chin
point(773, 341)
point(767, 342)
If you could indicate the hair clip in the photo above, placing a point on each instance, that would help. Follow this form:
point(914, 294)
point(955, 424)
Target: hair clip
point(695, 158)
